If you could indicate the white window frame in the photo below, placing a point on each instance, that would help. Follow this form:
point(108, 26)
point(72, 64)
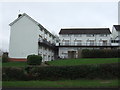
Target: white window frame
point(90, 35)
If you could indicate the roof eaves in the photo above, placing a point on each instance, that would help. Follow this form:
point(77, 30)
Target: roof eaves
point(15, 20)
point(24, 14)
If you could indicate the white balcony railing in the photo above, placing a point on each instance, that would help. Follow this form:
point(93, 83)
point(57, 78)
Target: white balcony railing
point(85, 44)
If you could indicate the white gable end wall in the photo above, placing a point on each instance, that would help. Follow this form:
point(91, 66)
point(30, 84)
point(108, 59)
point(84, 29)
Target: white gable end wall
point(23, 38)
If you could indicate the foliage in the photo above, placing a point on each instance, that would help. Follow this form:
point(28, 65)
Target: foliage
point(5, 57)
point(103, 71)
point(100, 71)
point(100, 53)
point(13, 73)
point(34, 59)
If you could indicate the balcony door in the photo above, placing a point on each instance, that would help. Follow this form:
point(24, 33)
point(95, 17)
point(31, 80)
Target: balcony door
point(104, 42)
point(90, 42)
point(78, 42)
point(65, 42)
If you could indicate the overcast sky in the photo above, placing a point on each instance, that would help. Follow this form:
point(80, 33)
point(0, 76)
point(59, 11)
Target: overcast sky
point(56, 15)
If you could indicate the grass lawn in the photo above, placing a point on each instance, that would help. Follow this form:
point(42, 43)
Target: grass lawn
point(14, 64)
point(68, 62)
point(72, 62)
point(65, 83)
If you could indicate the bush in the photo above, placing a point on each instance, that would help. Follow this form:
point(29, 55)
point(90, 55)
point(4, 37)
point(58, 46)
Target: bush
point(5, 57)
point(34, 59)
point(98, 53)
point(13, 73)
point(102, 71)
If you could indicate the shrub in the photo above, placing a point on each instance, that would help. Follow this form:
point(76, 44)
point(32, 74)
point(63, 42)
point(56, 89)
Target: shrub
point(13, 73)
point(5, 57)
point(98, 53)
point(102, 71)
point(34, 59)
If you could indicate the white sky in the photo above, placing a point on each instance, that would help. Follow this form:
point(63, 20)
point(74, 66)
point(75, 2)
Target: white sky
point(56, 15)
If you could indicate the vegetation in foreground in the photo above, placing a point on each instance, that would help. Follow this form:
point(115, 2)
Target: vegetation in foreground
point(83, 61)
point(64, 83)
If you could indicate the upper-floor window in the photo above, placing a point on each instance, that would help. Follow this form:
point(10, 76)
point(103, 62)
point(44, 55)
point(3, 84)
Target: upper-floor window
point(77, 42)
point(45, 32)
point(78, 35)
point(90, 35)
point(65, 42)
point(66, 35)
point(103, 35)
point(50, 35)
point(90, 42)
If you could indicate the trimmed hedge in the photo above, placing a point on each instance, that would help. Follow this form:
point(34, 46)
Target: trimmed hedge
point(100, 53)
point(34, 59)
point(103, 71)
point(13, 73)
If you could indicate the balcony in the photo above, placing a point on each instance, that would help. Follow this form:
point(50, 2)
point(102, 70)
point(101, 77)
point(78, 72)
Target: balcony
point(84, 44)
point(44, 42)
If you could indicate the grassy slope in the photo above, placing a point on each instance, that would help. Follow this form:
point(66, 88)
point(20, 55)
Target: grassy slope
point(84, 61)
point(66, 83)
point(68, 62)
point(14, 64)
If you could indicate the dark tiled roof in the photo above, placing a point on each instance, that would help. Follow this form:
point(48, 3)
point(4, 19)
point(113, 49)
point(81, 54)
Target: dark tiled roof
point(85, 31)
point(117, 27)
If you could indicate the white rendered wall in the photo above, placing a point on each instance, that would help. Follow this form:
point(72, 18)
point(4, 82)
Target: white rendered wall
point(23, 38)
point(114, 33)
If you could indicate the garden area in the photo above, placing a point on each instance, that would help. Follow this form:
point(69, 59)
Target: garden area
point(68, 73)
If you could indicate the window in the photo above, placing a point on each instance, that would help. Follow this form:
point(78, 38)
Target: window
point(103, 35)
point(77, 35)
point(66, 35)
point(78, 42)
point(115, 41)
point(45, 32)
point(65, 42)
point(90, 35)
point(104, 42)
point(90, 42)
point(39, 47)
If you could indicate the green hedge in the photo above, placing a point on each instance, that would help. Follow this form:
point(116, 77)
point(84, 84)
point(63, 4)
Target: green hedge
point(13, 73)
point(34, 59)
point(103, 71)
point(100, 53)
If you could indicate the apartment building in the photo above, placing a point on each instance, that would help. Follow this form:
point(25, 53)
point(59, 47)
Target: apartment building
point(27, 36)
point(73, 40)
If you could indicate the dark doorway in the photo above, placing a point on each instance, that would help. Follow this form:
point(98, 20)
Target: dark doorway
point(71, 54)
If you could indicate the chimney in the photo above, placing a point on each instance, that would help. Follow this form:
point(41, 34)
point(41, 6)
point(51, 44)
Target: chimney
point(19, 15)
